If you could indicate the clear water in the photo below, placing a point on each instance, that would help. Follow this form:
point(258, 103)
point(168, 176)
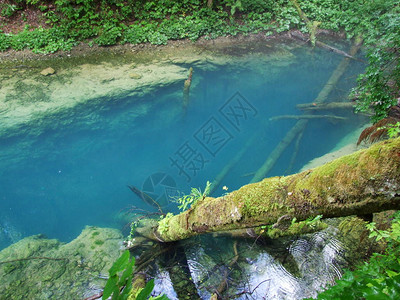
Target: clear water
point(66, 177)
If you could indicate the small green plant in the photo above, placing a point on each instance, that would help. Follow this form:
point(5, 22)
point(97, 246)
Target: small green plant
point(374, 232)
point(119, 283)
point(313, 221)
point(195, 195)
point(393, 130)
point(9, 10)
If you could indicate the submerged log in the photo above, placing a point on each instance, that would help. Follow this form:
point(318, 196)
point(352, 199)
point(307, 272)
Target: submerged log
point(308, 117)
point(326, 106)
point(364, 182)
point(186, 88)
point(232, 163)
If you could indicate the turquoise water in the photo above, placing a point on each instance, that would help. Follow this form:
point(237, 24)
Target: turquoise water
point(76, 171)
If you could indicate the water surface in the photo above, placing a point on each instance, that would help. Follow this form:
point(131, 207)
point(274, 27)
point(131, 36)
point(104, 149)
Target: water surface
point(73, 167)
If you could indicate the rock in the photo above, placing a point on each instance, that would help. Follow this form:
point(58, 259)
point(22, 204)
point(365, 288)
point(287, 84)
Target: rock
point(48, 71)
point(55, 265)
point(135, 76)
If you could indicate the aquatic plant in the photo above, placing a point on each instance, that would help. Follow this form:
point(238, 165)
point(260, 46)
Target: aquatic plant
point(195, 195)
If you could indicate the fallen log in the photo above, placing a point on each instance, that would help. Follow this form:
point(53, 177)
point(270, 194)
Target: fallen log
point(323, 45)
point(365, 182)
point(308, 117)
point(325, 106)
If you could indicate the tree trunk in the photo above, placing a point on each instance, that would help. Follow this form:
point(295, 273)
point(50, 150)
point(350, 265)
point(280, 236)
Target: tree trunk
point(364, 182)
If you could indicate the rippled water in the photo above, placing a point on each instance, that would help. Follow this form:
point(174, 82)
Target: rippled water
point(293, 268)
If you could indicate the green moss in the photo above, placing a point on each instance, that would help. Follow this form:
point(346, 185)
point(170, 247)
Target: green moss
point(98, 242)
point(95, 233)
point(267, 196)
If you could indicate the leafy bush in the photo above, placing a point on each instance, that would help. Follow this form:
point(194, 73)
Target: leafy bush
point(4, 42)
point(378, 87)
point(109, 35)
point(8, 10)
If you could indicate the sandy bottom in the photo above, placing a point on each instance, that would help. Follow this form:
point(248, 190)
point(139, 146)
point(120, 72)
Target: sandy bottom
point(347, 145)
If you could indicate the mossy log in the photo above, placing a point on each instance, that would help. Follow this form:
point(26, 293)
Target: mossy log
point(364, 182)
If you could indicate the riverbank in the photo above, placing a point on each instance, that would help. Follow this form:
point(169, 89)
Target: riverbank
point(219, 44)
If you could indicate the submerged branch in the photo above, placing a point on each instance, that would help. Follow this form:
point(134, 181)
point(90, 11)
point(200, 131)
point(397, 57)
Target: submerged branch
point(308, 117)
point(326, 106)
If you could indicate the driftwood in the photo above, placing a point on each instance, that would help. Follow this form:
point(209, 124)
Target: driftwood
point(326, 106)
point(301, 124)
point(320, 44)
point(308, 117)
point(364, 182)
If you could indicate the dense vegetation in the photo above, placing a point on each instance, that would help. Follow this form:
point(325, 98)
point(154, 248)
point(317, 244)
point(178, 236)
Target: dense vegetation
point(50, 26)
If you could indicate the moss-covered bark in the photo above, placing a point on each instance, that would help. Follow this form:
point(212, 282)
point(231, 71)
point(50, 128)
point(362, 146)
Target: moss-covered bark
point(364, 182)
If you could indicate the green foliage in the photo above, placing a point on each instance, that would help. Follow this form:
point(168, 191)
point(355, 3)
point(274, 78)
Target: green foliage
point(311, 222)
point(8, 10)
point(120, 277)
point(393, 130)
point(195, 195)
point(378, 87)
point(4, 41)
point(378, 279)
point(119, 283)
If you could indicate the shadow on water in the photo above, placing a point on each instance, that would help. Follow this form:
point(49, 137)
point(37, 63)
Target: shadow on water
point(74, 167)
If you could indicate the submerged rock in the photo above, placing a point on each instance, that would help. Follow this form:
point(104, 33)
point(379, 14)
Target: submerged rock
point(48, 71)
point(40, 268)
point(135, 76)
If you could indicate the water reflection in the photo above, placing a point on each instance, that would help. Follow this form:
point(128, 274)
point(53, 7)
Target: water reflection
point(281, 269)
